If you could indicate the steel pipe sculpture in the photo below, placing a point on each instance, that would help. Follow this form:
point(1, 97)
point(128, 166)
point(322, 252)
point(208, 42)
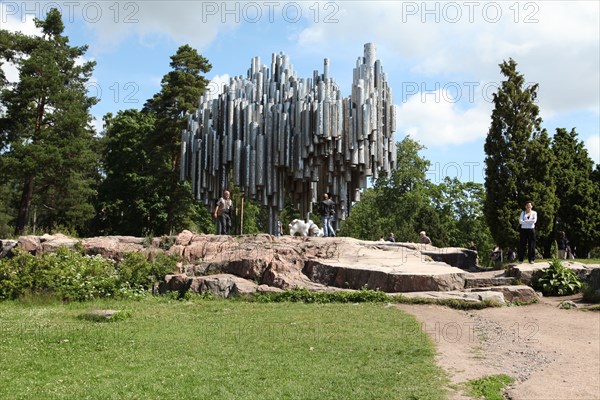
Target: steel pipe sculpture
point(274, 134)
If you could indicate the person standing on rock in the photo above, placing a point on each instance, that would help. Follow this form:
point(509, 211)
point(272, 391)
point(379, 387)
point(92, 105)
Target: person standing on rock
point(327, 212)
point(223, 214)
point(424, 238)
point(527, 221)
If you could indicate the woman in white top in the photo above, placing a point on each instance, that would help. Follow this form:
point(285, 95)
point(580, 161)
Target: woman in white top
point(527, 221)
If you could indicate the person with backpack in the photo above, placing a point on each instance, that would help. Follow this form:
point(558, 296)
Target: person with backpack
point(223, 214)
point(327, 208)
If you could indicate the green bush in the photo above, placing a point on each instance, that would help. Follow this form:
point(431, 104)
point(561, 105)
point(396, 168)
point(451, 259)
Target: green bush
point(558, 280)
point(137, 271)
point(70, 275)
point(590, 294)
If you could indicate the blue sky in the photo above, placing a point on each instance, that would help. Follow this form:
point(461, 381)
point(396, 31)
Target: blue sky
point(441, 58)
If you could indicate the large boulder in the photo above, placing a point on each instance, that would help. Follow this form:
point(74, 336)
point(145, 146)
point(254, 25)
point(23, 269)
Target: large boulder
point(222, 285)
point(512, 294)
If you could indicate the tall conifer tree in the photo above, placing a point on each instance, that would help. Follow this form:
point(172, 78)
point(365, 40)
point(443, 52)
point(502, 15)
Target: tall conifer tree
point(178, 98)
point(46, 139)
point(579, 211)
point(518, 161)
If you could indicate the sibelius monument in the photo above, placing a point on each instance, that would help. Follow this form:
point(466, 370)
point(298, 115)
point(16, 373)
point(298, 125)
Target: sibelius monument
point(274, 134)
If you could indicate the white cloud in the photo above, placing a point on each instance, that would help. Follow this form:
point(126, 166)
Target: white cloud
point(592, 144)
point(436, 119)
point(13, 19)
point(556, 44)
point(196, 23)
point(217, 84)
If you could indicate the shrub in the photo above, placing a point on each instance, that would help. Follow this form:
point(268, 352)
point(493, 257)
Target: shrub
point(558, 280)
point(137, 271)
point(590, 294)
point(70, 275)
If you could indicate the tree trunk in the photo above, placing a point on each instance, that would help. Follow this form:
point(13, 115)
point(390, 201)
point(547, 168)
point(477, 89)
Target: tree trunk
point(26, 197)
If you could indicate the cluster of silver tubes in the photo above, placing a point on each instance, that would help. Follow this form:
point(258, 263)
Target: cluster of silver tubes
point(274, 135)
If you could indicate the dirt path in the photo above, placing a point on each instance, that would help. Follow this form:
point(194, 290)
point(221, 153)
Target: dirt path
point(552, 353)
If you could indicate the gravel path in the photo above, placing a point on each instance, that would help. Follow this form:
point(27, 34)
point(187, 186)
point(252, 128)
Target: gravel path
point(552, 353)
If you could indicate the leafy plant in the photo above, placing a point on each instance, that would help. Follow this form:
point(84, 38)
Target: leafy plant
point(489, 387)
point(558, 280)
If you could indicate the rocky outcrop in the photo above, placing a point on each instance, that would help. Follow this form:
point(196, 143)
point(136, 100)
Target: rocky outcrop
point(227, 266)
point(291, 262)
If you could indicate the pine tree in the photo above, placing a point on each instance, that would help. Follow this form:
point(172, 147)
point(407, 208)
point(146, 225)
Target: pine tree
point(47, 142)
point(518, 161)
point(579, 211)
point(181, 89)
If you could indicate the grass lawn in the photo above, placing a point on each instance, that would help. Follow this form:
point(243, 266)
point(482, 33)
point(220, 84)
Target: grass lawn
point(215, 350)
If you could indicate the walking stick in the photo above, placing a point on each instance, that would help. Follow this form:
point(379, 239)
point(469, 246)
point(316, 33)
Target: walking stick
point(242, 217)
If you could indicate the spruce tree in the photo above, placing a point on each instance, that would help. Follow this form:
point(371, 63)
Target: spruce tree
point(518, 161)
point(46, 140)
point(579, 211)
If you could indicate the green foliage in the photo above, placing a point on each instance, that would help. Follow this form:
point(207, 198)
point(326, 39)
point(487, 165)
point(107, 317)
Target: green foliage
point(405, 203)
point(306, 296)
point(8, 209)
point(489, 387)
point(69, 275)
point(396, 203)
point(519, 161)
point(590, 293)
point(137, 271)
point(95, 316)
point(363, 296)
point(557, 280)
point(578, 214)
point(125, 201)
point(48, 151)
point(178, 98)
